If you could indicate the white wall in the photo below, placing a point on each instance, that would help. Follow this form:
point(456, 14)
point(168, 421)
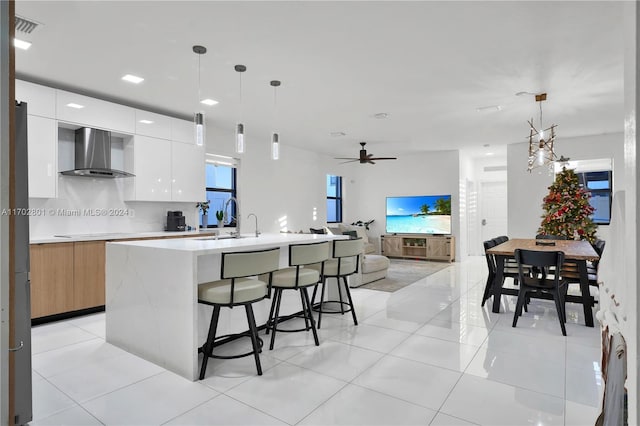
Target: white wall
point(526, 190)
point(430, 173)
point(288, 194)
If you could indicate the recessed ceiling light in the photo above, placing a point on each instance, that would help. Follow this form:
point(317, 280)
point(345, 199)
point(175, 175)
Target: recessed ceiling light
point(381, 115)
point(337, 134)
point(21, 44)
point(209, 102)
point(76, 106)
point(489, 154)
point(133, 79)
point(146, 121)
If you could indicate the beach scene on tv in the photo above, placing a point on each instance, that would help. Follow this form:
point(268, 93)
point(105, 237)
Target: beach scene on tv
point(426, 214)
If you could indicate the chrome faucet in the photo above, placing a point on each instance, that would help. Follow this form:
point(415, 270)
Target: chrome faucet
point(237, 218)
point(254, 215)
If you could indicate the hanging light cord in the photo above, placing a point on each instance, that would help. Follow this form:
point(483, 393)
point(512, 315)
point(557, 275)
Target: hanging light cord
point(199, 94)
point(275, 107)
point(541, 127)
point(240, 74)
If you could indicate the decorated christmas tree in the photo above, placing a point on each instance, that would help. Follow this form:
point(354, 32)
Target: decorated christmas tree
point(567, 209)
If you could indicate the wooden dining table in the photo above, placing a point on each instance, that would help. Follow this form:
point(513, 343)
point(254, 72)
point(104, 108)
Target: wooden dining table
point(578, 252)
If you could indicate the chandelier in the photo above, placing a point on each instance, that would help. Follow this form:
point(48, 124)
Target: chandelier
point(540, 149)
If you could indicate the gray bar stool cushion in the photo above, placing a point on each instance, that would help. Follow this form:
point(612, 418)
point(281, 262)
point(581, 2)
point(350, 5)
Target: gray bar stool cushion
point(286, 278)
point(245, 290)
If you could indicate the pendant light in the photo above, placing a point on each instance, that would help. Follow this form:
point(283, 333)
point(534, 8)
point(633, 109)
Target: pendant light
point(275, 142)
point(240, 127)
point(541, 150)
point(198, 118)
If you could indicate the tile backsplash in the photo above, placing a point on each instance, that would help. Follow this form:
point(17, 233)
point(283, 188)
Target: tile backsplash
point(91, 205)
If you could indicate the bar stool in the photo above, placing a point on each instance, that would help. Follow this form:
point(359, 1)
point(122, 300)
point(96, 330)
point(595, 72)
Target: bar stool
point(345, 262)
point(297, 277)
point(236, 289)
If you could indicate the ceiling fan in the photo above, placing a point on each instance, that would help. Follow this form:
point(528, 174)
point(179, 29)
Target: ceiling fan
point(364, 157)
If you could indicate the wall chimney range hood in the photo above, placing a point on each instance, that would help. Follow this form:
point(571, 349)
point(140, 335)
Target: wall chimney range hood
point(93, 155)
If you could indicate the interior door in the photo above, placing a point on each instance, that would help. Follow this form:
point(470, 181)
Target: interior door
point(493, 210)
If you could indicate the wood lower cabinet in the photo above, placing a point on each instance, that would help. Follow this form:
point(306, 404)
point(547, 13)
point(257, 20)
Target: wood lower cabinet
point(88, 274)
point(68, 277)
point(51, 279)
point(391, 246)
point(428, 247)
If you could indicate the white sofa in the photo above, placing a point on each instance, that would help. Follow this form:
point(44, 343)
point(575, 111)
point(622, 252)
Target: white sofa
point(373, 267)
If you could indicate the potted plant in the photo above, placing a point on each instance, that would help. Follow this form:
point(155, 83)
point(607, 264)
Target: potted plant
point(204, 208)
point(220, 217)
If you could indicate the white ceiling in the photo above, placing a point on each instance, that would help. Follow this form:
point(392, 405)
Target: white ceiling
point(428, 64)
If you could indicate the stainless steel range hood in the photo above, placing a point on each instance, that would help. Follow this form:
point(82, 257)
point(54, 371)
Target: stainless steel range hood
point(93, 155)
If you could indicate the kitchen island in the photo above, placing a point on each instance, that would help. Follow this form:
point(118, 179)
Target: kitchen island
point(152, 309)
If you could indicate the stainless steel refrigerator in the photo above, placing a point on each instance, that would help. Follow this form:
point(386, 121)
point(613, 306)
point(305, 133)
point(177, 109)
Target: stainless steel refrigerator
point(22, 385)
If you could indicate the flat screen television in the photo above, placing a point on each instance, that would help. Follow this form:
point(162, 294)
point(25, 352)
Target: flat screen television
point(420, 214)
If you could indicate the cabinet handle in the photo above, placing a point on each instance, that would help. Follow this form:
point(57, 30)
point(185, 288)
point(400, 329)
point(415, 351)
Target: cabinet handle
point(16, 349)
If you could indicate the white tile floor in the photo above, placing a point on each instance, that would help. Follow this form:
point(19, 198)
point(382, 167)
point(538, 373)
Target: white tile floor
point(428, 354)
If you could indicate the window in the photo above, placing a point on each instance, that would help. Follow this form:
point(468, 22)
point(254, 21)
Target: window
point(596, 176)
point(221, 185)
point(334, 199)
point(599, 184)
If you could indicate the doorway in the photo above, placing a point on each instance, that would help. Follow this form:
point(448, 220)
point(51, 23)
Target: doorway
point(493, 210)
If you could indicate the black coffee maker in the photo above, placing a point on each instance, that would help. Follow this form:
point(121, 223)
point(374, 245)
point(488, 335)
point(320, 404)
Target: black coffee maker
point(175, 221)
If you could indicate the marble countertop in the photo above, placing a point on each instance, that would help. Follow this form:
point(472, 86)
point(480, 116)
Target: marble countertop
point(211, 245)
point(70, 238)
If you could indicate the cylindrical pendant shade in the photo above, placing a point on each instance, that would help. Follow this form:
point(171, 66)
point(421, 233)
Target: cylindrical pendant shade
point(199, 123)
point(275, 147)
point(240, 138)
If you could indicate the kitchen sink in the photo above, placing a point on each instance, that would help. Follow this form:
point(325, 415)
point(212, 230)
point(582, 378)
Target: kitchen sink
point(221, 237)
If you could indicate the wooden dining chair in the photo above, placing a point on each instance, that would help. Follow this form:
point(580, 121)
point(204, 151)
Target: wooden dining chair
point(547, 280)
point(508, 272)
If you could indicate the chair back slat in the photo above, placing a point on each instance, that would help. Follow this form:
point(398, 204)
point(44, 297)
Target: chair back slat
point(347, 248)
point(249, 263)
point(491, 262)
point(307, 254)
point(546, 262)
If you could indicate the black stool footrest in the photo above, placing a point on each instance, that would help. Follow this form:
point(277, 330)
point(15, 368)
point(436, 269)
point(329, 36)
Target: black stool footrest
point(332, 307)
point(286, 318)
point(228, 338)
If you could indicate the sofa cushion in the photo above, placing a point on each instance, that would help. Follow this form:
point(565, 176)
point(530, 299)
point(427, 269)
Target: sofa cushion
point(374, 263)
point(360, 230)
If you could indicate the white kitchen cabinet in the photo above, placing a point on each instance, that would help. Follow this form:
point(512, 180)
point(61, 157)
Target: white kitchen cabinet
point(94, 112)
point(152, 169)
point(183, 131)
point(41, 100)
point(187, 170)
point(152, 124)
point(42, 141)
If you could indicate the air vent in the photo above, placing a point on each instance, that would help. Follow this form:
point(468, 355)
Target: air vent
point(495, 168)
point(25, 25)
